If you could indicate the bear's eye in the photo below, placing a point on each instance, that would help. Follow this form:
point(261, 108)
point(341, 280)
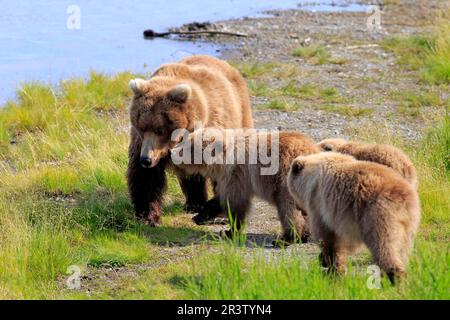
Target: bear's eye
point(158, 132)
point(327, 148)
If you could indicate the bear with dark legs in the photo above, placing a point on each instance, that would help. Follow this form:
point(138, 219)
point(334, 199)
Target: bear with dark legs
point(350, 203)
point(261, 170)
point(199, 90)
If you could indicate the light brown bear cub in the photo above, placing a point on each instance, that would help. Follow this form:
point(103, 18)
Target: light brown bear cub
point(351, 202)
point(379, 153)
point(239, 181)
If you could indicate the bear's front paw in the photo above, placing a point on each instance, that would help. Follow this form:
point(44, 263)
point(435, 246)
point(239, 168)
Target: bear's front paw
point(152, 221)
point(192, 207)
point(153, 218)
point(306, 236)
point(200, 218)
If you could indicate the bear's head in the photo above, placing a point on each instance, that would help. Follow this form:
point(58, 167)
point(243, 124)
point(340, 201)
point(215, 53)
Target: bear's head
point(332, 144)
point(306, 172)
point(157, 110)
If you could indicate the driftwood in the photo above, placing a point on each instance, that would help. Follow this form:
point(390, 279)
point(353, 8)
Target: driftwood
point(152, 34)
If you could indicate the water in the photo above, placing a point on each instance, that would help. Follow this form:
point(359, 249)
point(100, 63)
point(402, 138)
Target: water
point(37, 45)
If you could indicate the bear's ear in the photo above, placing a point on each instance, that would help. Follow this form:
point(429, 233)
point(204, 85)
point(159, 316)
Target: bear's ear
point(180, 94)
point(327, 147)
point(137, 85)
point(297, 167)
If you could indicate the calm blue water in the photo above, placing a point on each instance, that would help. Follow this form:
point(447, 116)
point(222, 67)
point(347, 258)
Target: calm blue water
point(35, 43)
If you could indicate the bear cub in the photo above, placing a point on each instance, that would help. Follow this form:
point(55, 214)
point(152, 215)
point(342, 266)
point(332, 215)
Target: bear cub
point(379, 153)
point(242, 178)
point(351, 202)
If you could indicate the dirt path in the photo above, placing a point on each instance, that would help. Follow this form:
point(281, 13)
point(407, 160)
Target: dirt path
point(366, 81)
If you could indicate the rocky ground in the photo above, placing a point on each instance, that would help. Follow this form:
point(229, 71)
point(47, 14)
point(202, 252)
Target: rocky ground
point(365, 80)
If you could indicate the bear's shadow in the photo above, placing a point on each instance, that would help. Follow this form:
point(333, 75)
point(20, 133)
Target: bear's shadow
point(185, 236)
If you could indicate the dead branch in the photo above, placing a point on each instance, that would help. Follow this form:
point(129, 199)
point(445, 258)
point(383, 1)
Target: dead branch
point(152, 34)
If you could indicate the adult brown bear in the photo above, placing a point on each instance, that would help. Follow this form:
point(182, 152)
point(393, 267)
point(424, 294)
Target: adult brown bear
point(198, 89)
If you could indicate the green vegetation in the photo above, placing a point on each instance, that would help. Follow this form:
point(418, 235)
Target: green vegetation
point(290, 91)
point(411, 103)
point(253, 70)
point(63, 198)
point(260, 82)
point(268, 70)
point(315, 54)
point(63, 202)
point(410, 51)
point(232, 275)
point(308, 91)
point(421, 99)
point(347, 110)
point(259, 89)
point(276, 104)
point(430, 55)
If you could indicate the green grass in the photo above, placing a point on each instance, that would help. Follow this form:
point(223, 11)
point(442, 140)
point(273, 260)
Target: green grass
point(115, 249)
point(348, 111)
point(276, 104)
point(258, 89)
point(410, 51)
point(421, 99)
point(411, 103)
point(315, 54)
point(63, 198)
point(279, 95)
point(252, 70)
point(233, 275)
point(430, 54)
point(63, 202)
point(257, 70)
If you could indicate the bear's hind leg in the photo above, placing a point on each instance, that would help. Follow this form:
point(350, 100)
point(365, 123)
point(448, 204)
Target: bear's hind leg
point(293, 223)
point(333, 253)
point(238, 209)
point(383, 237)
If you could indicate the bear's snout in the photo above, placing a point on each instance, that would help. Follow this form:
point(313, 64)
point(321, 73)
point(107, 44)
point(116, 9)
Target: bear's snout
point(146, 162)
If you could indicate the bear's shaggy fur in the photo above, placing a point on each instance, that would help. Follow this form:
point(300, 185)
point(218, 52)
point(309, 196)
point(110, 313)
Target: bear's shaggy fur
point(198, 88)
point(351, 202)
point(238, 183)
point(379, 153)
